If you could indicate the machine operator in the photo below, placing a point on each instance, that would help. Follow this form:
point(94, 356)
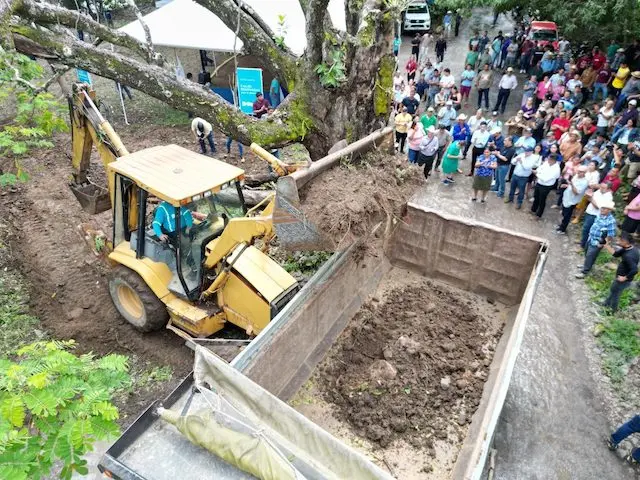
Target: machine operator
point(164, 221)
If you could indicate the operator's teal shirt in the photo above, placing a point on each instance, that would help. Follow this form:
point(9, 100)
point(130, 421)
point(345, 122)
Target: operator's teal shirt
point(165, 219)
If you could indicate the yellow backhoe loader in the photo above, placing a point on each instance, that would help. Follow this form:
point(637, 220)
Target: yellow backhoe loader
point(184, 243)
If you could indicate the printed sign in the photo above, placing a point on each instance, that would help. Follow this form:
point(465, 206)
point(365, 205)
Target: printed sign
point(249, 83)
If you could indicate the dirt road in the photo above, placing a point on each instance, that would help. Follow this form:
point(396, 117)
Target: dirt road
point(554, 420)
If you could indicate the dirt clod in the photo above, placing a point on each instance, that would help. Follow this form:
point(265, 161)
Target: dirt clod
point(382, 370)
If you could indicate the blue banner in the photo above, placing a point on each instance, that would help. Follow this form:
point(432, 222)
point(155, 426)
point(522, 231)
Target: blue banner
point(249, 83)
point(83, 76)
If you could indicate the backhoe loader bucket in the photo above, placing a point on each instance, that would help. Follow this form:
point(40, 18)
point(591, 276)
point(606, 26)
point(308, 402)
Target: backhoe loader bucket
point(293, 229)
point(92, 198)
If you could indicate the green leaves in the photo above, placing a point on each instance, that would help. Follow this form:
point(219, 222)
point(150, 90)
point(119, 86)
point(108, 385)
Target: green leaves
point(38, 115)
point(53, 406)
point(332, 74)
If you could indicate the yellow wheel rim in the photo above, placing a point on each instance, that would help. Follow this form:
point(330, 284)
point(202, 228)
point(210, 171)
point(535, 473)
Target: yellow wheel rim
point(130, 300)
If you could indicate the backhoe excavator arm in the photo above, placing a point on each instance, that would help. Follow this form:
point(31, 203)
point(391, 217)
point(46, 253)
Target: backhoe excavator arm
point(89, 128)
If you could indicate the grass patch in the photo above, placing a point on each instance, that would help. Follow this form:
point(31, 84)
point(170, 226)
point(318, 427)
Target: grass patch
point(17, 326)
point(621, 344)
point(305, 262)
point(161, 114)
point(145, 376)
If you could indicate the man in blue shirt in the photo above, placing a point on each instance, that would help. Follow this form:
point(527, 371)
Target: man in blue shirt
point(164, 221)
point(602, 231)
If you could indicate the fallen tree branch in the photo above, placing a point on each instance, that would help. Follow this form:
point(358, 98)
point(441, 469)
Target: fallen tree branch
point(48, 14)
point(151, 54)
point(162, 84)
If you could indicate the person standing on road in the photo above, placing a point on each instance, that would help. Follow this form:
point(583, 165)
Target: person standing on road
point(414, 137)
point(507, 83)
point(428, 151)
point(402, 121)
point(466, 81)
point(573, 192)
point(447, 21)
point(415, 45)
point(627, 269)
point(479, 141)
point(450, 161)
point(486, 164)
point(458, 21)
point(504, 157)
point(524, 165)
point(444, 139)
point(447, 114)
point(483, 84)
point(411, 67)
point(462, 131)
point(601, 196)
point(626, 429)
point(441, 47)
point(203, 130)
point(547, 174)
point(601, 232)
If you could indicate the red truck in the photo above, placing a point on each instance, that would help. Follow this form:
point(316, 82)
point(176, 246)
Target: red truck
point(543, 33)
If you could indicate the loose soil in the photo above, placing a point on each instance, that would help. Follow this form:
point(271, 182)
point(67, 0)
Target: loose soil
point(407, 374)
point(347, 202)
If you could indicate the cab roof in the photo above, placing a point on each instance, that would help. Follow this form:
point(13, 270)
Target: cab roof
point(543, 25)
point(174, 173)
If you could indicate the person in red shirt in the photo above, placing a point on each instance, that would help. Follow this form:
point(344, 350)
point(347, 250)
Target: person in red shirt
point(583, 62)
point(411, 68)
point(602, 80)
point(560, 124)
point(598, 59)
point(613, 177)
point(261, 105)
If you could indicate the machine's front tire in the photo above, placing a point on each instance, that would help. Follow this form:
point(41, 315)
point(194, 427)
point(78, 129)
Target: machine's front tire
point(135, 301)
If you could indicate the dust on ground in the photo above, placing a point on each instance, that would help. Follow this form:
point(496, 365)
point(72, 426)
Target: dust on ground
point(346, 202)
point(405, 377)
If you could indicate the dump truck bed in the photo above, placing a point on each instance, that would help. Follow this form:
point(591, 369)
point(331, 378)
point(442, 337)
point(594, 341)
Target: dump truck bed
point(466, 254)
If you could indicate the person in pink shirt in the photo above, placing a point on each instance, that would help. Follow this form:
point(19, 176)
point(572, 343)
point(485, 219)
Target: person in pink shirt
point(557, 91)
point(631, 216)
point(542, 89)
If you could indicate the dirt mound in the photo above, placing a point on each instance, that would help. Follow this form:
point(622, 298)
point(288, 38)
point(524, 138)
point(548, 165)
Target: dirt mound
point(347, 202)
point(410, 367)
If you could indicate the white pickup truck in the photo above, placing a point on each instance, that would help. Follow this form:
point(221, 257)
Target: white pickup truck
point(416, 18)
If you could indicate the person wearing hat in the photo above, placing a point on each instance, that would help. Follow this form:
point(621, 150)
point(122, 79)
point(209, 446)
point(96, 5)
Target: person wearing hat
point(428, 151)
point(507, 83)
point(524, 164)
point(483, 174)
point(447, 114)
point(596, 196)
point(572, 192)
point(450, 161)
point(203, 130)
point(479, 141)
point(631, 90)
point(402, 121)
point(462, 131)
point(620, 78)
point(494, 121)
point(447, 21)
point(617, 60)
point(631, 113)
point(261, 105)
point(496, 140)
point(429, 119)
point(601, 232)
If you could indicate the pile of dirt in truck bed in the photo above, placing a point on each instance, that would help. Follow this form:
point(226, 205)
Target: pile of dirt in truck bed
point(347, 202)
point(411, 366)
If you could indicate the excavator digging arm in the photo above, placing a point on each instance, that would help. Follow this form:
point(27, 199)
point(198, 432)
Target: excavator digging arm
point(89, 128)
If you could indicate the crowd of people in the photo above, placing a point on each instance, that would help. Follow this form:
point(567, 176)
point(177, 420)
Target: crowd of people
point(575, 138)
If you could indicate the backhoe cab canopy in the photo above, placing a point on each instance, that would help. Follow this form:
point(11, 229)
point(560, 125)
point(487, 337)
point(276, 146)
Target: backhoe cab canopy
point(175, 174)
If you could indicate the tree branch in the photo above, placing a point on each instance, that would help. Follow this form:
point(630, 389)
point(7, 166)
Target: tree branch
point(151, 54)
point(49, 14)
point(163, 85)
point(257, 37)
point(316, 13)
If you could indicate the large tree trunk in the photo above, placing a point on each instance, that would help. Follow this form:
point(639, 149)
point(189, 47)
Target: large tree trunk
point(314, 114)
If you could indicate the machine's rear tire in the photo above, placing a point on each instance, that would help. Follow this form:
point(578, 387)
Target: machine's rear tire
point(135, 301)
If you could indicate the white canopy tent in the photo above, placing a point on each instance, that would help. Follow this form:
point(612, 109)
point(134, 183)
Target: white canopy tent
point(186, 24)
